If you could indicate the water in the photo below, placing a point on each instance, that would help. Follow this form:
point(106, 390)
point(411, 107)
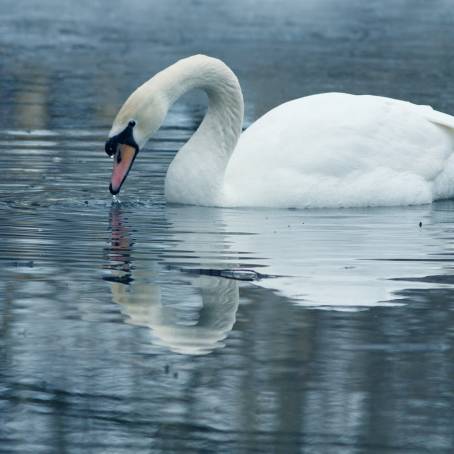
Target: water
point(133, 326)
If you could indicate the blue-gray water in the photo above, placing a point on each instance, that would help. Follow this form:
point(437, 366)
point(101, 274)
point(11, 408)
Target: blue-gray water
point(121, 328)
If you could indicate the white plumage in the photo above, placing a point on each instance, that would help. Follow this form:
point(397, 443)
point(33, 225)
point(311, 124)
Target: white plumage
point(325, 150)
point(341, 150)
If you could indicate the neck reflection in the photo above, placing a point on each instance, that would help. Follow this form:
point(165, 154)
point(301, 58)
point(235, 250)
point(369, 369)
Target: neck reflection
point(188, 313)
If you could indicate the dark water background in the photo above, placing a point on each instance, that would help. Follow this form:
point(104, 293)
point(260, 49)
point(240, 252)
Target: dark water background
point(117, 336)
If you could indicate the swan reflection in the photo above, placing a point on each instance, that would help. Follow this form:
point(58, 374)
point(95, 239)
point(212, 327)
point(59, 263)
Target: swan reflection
point(342, 260)
point(188, 313)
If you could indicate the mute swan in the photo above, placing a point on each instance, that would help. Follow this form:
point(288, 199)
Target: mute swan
point(324, 150)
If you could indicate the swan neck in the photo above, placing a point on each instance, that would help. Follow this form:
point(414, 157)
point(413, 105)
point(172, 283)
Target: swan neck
point(196, 174)
point(206, 73)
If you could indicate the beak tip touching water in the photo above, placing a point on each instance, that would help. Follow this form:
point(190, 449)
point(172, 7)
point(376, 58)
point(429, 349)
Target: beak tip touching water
point(112, 191)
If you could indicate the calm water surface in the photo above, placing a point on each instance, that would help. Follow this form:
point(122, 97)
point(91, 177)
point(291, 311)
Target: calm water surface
point(134, 326)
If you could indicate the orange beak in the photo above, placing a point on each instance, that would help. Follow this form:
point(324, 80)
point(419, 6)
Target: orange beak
point(123, 160)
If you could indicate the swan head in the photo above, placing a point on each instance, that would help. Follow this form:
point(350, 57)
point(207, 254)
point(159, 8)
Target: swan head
point(138, 119)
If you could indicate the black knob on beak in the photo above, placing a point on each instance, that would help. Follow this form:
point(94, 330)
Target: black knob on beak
point(125, 137)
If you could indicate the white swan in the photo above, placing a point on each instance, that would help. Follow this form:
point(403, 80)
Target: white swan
point(325, 150)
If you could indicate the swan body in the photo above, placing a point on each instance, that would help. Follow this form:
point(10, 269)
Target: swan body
point(324, 150)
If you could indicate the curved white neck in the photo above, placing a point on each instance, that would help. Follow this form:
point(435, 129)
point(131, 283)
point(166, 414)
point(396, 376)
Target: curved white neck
point(196, 174)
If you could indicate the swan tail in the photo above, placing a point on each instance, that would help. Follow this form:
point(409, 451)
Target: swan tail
point(438, 118)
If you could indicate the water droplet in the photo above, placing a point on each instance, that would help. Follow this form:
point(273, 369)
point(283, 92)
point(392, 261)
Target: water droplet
point(115, 199)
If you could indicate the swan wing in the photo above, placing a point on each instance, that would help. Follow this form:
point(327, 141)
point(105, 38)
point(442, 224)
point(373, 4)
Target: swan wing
point(438, 118)
point(338, 150)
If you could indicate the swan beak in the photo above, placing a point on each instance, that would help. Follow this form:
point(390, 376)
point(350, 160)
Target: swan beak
point(123, 160)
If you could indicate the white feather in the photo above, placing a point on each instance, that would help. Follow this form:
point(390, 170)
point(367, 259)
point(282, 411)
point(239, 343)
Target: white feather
point(325, 150)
